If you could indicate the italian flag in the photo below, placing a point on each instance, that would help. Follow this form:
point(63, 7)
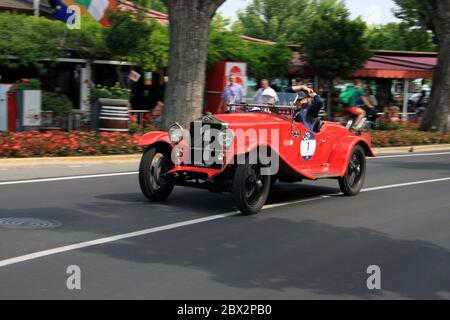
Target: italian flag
point(97, 9)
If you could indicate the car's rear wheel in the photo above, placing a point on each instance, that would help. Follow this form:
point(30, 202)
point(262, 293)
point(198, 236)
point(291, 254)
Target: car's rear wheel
point(155, 184)
point(353, 180)
point(250, 188)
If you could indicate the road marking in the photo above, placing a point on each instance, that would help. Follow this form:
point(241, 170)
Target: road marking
point(90, 176)
point(411, 155)
point(399, 185)
point(172, 226)
point(96, 242)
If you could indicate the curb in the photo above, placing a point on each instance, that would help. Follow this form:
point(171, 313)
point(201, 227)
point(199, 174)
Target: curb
point(412, 149)
point(129, 158)
point(135, 158)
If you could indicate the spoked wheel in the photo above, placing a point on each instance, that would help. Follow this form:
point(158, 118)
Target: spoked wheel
point(250, 188)
point(154, 183)
point(353, 181)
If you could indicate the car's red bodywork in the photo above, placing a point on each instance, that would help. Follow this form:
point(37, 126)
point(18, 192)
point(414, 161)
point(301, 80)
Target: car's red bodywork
point(334, 144)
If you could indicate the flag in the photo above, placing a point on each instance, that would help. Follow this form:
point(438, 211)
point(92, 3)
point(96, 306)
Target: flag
point(97, 9)
point(134, 76)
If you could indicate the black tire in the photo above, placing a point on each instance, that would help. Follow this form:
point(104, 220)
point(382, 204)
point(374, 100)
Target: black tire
point(273, 180)
point(250, 188)
point(353, 180)
point(154, 164)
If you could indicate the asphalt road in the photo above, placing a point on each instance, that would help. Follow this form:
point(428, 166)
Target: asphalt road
point(308, 243)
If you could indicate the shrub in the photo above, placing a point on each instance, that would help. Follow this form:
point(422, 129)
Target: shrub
point(59, 104)
point(115, 92)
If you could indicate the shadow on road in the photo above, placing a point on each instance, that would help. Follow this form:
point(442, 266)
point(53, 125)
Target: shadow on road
point(263, 252)
point(278, 254)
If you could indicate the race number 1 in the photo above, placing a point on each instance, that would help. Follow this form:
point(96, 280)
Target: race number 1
point(308, 146)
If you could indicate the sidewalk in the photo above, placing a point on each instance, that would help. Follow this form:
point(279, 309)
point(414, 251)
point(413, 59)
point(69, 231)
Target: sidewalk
point(134, 158)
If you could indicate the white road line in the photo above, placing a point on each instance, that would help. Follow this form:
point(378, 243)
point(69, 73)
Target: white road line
point(90, 176)
point(96, 242)
point(399, 185)
point(5, 183)
point(139, 233)
point(411, 155)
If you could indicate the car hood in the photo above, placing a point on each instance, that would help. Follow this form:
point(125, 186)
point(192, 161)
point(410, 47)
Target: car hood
point(245, 120)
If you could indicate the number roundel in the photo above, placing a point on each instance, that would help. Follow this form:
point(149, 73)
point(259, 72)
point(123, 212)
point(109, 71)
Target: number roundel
point(308, 146)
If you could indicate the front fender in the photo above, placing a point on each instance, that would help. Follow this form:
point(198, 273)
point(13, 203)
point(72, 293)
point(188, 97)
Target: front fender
point(340, 156)
point(154, 137)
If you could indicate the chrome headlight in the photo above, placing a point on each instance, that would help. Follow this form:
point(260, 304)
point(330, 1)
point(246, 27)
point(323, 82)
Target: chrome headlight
point(176, 133)
point(226, 138)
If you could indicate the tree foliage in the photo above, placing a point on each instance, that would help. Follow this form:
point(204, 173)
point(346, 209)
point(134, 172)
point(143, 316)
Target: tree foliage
point(264, 61)
point(276, 20)
point(29, 39)
point(157, 5)
point(400, 36)
point(142, 42)
point(334, 45)
point(410, 11)
point(32, 39)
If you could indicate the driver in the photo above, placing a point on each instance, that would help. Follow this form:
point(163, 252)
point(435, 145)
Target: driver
point(308, 106)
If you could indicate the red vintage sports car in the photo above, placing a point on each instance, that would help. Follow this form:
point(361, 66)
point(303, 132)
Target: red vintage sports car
point(247, 151)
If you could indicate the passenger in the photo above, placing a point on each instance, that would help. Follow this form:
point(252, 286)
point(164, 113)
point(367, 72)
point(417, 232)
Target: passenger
point(308, 104)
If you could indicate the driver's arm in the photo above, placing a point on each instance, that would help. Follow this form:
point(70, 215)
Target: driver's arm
point(317, 105)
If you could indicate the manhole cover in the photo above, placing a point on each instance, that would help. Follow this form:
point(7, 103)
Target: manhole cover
point(28, 223)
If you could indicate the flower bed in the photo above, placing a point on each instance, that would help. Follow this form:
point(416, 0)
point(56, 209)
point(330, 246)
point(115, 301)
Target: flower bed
point(407, 137)
point(63, 144)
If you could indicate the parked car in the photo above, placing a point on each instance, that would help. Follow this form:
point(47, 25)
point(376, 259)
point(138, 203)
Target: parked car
point(246, 152)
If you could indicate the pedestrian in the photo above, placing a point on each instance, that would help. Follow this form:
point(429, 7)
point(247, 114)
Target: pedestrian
point(233, 93)
point(369, 94)
point(157, 112)
point(265, 94)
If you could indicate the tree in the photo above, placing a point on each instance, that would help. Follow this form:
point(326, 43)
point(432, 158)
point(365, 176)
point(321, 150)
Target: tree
point(156, 5)
point(136, 40)
point(28, 39)
point(264, 61)
point(400, 36)
point(334, 45)
point(435, 15)
point(189, 28)
point(276, 20)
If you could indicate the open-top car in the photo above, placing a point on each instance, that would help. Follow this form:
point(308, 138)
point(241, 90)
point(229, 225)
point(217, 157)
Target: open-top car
point(249, 149)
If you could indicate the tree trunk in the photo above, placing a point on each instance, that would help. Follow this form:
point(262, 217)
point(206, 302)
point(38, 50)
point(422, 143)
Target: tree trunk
point(189, 28)
point(436, 117)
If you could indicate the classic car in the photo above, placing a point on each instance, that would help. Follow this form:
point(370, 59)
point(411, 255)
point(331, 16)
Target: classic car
point(249, 149)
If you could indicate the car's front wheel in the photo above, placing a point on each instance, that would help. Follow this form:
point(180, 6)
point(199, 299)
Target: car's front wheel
point(153, 180)
point(353, 180)
point(250, 188)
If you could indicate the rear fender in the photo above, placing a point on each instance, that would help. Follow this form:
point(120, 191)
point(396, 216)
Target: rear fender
point(340, 156)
